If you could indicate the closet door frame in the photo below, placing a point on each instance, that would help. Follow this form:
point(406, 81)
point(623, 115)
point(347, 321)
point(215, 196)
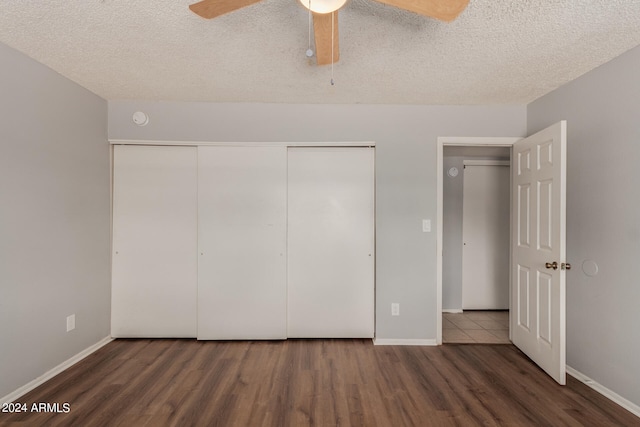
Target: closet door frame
point(485, 253)
point(114, 142)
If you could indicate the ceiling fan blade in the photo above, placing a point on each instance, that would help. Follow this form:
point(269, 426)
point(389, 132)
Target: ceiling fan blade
point(322, 33)
point(444, 10)
point(212, 8)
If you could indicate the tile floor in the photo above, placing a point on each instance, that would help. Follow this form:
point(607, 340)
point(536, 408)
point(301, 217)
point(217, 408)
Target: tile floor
point(486, 327)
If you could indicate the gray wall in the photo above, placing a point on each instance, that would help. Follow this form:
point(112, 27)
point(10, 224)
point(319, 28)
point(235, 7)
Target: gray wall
point(452, 191)
point(602, 109)
point(54, 219)
point(405, 174)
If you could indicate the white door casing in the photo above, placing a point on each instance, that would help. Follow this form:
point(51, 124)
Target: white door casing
point(154, 272)
point(538, 233)
point(242, 208)
point(440, 144)
point(331, 243)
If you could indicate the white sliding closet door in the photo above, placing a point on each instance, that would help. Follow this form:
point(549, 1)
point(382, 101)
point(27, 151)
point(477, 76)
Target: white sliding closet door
point(154, 242)
point(331, 243)
point(242, 206)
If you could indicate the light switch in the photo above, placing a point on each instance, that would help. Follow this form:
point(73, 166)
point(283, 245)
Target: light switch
point(395, 309)
point(426, 225)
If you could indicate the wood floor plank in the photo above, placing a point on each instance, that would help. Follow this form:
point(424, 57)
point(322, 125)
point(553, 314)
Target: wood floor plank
point(313, 383)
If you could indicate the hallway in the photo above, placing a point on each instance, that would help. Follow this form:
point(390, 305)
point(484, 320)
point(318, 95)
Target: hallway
point(476, 326)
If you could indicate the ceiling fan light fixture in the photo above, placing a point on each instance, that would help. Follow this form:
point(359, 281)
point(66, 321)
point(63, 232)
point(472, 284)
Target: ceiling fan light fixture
point(323, 6)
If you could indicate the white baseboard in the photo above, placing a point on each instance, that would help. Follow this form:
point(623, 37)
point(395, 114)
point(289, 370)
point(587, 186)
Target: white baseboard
point(11, 397)
point(452, 310)
point(387, 341)
point(611, 395)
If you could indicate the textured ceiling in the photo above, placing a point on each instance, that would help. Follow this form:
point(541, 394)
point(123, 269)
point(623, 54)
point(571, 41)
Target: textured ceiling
point(496, 52)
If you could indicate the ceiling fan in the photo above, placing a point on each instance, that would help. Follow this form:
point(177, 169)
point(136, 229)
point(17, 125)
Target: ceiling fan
point(326, 31)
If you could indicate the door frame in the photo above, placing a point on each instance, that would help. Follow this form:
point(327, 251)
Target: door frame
point(441, 143)
point(466, 214)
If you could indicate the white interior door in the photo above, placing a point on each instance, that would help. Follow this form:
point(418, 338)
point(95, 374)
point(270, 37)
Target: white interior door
point(331, 243)
point(154, 242)
point(242, 208)
point(485, 233)
point(539, 213)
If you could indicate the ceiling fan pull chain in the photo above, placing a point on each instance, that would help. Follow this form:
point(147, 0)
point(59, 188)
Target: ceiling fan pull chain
point(309, 50)
point(332, 35)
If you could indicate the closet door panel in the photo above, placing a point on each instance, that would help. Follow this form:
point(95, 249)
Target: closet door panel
point(331, 243)
point(242, 240)
point(154, 276)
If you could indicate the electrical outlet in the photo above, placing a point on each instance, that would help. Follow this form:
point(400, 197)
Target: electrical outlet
point(71, 322)
point(395, 309)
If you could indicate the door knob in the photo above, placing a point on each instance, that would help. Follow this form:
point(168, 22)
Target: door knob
point(565, 266)
point(553, 265)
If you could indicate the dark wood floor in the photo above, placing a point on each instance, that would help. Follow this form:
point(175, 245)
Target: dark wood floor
point(313, 382)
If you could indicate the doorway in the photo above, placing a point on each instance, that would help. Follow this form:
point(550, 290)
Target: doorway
point(475, 277)
point(486, 199)
point(471, 324)
point(538, 243)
